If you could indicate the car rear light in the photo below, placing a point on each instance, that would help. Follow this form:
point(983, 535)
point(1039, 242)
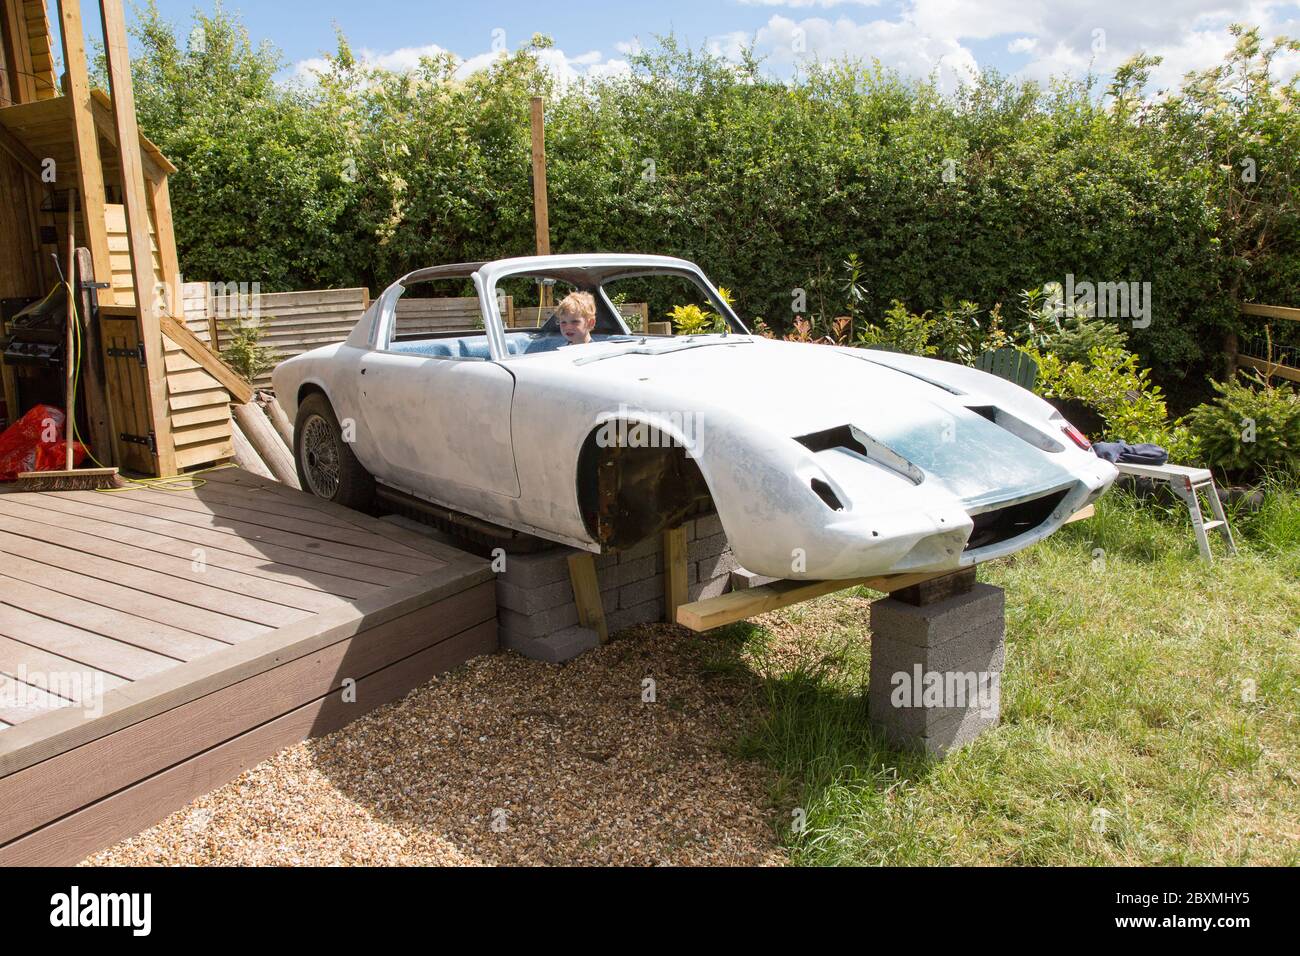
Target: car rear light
point(1076, 436)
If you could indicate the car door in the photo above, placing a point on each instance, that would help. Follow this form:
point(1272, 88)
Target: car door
point(440, 425)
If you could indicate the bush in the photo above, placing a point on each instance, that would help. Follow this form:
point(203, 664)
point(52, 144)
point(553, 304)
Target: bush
point(1112, 384)
point(367, 173)
point(245, 352)
point(1251, 429)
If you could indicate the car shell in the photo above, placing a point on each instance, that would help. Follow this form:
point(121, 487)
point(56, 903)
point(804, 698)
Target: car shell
point(921, 453)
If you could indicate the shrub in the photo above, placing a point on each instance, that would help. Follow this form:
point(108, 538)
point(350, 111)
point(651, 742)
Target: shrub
point(692, 320)
point(1251, 429)
point(246, 354)
point(901, 331)
point(1112, 384)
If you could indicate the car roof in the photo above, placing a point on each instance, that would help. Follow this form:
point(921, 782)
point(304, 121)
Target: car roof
point(571, 266)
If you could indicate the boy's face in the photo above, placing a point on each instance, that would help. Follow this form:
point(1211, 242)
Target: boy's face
point(576, 328)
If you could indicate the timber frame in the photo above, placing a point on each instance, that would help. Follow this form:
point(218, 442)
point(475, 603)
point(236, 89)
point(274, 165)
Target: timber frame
point(66, 145)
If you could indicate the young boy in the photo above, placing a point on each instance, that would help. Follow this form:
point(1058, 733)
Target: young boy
point(576, 315)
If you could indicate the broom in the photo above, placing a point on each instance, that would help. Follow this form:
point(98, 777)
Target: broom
point(71, 478)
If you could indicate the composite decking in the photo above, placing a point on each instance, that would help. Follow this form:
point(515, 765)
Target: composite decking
point(154, 644)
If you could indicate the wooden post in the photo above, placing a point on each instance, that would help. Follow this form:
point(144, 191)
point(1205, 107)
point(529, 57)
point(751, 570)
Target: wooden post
point(161, 200)
point(137, 228)
point(99, 409)
point(586, 593)
point(18, 54)
point(541, 214)
point(675, 594)
point(90, 170)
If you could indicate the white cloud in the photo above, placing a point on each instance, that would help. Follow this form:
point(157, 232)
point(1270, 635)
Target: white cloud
point(921, 38)
point(566, 69)
point(808, 3)
point(1061, 37)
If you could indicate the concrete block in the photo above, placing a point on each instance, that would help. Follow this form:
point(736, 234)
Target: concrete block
point(943, 739)
point(982, 648)
point(708, 525)
point(896, 700)
point(936, 670)
point(646, 549)
point(692, 572)
point(554, 648)
point(533, 600)
point(539, 624)
point(723, 563)
point(711, 587)
point(607, 560)
point(646, 613)
point(630, 572)
point(935, 623)
point(742, 580)
point(709, 547)
point(537, 569)
point(638, 592)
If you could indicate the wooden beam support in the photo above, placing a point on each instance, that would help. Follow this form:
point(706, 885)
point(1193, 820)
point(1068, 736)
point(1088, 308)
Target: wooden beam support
point(12, 145)
point(90, 170)
point(137, 223)
point(586, 593)
point(103, 113)
point(675, 593)
point(740, 605)
point(18, 53)
point(1083, 514)
point(161, 200)
point(241, 392)
point(939, 588)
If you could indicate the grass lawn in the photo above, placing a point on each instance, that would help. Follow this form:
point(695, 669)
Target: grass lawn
point(1131, 730)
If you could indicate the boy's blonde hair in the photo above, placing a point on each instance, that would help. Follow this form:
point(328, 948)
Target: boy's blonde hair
point(577, 303)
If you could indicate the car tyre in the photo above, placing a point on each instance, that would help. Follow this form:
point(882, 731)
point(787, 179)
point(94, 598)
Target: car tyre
point(327, 468)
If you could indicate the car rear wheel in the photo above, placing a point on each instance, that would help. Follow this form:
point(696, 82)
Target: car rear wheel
point(327, 468)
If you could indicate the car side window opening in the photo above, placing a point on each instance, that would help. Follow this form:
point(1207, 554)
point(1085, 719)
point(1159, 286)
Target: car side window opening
point(439, 318)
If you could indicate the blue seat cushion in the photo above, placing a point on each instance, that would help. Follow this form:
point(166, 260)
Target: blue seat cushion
point(476, 346)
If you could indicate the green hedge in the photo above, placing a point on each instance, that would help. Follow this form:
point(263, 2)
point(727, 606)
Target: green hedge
point(769, 185)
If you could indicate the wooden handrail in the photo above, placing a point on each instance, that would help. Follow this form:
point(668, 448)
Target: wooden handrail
point(1270, 311)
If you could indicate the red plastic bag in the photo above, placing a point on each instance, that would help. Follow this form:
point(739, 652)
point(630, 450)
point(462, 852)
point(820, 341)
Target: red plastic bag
point(35, 443)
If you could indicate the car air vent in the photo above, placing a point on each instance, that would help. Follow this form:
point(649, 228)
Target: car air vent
point(1022, 430)
point(825, 493)
point(841, 437)
point(1003, 524)
point(854, 439)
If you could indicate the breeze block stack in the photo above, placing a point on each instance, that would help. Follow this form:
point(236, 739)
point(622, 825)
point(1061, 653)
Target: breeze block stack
point(958, 642)
point(536, 613)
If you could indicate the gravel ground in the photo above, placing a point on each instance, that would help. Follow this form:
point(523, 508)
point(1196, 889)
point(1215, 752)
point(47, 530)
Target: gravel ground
point(507, 761)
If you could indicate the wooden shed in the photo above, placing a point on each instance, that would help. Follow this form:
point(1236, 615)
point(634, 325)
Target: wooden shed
point(157, 398)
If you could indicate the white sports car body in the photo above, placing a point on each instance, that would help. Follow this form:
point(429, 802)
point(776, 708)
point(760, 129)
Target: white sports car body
point(821, 462)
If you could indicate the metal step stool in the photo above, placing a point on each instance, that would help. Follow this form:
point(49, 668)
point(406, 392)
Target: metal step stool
point(1187, 483)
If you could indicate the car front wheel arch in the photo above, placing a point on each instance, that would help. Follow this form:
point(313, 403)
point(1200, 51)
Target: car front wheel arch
point(636, 481)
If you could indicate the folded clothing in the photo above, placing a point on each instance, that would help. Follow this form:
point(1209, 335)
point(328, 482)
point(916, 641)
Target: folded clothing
point(1121, 451)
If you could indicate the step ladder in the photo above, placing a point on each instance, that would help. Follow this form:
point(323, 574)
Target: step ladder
point(1187, 484)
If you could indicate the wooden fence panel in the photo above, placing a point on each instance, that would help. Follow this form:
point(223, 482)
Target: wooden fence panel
point(296, 322)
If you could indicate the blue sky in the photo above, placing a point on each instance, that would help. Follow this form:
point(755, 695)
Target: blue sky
point(948, 38)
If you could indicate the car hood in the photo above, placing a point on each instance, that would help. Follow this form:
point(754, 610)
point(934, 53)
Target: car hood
point(796, 390)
